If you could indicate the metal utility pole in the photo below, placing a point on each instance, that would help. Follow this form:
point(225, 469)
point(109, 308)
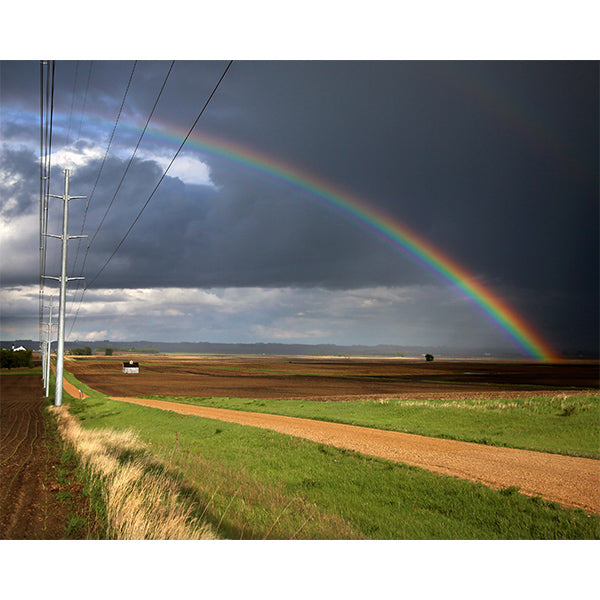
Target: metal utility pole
point(63, 279)
point(46, 364)
point(45, 348)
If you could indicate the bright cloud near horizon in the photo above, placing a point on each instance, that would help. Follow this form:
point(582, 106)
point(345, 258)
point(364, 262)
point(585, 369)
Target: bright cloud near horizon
point(495, 163)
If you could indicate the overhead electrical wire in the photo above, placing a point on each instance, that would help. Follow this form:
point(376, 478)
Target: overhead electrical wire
point(85, 97)
point(191, 129)
point(47, 71)
point(163, 175)
point(132, 155)
point(42, 232)
point(72, 102)
point(110, 141)
point(164, 83)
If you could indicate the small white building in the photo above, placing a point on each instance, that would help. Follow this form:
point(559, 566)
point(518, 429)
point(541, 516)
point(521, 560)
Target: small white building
point(131, 367)
point(19, 349)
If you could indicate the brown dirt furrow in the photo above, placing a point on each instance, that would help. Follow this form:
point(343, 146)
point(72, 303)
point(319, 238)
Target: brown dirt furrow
point(570, 481)
point(29, 508)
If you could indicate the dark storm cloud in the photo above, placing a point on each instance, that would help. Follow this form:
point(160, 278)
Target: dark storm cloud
point(249, 233)
point(468, 164)
point(485, 159)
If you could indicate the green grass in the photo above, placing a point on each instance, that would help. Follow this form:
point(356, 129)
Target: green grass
point(564, 425)
point(86, 389)
point(21, 371)
point(252, 483)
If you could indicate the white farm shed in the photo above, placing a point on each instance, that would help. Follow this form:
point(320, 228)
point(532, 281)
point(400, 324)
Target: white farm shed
point(131, 367)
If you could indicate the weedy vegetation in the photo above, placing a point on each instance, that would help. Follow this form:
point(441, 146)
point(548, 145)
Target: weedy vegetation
point(142, 500)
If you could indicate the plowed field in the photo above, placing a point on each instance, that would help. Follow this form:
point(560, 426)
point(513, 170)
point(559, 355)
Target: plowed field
point(331, 379)
point(29, 465)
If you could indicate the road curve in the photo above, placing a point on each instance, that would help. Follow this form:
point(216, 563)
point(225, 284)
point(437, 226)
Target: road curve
point(568, 480)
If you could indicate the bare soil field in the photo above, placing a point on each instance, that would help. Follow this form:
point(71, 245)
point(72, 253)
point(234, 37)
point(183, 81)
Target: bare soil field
point(30, 508)
point(321, 378)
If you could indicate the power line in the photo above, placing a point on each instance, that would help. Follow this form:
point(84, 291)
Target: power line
point(87, 203)
point(132, 156)
point(42, 167)
point(163, 175)
point(164, 83)
point(88, 285)
point(47, 71)
point(72, 102)
point(41, 241)
point(85, 97)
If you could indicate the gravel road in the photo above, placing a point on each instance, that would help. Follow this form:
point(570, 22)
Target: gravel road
point(568, 480)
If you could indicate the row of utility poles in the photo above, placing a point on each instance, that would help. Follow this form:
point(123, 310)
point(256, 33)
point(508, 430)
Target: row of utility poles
point(63, 280)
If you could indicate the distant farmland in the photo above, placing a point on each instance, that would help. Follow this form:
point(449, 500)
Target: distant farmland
point(321, 378)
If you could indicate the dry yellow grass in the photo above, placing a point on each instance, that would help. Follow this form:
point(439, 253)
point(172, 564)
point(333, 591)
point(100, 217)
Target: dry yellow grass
point(142, 502)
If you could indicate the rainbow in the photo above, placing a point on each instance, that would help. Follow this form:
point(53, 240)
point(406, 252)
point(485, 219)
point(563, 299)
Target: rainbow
point(391, 229)
point(367, 215)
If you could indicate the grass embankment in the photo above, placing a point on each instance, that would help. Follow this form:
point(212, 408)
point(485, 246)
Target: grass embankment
point(142, 500)
point(63, 471)
point(251, 483)
point(559, 424)
point(133, 495)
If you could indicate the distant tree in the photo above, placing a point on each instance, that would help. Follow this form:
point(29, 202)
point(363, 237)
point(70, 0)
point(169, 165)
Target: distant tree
point(7, 359)
point(26, 359)
point(14, 360)
point(86, 351)
point(108, 352)
point(429, 357)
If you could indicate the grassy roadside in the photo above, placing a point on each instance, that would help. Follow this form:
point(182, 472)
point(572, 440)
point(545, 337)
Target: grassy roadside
point(562, 425)
point(134, 494)
point(81, 495)
point(21, 371)
point(255, 484)
point(141, 499)
point(80, 501)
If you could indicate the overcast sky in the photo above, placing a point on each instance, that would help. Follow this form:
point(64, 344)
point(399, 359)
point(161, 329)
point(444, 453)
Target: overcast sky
point(494, 163)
